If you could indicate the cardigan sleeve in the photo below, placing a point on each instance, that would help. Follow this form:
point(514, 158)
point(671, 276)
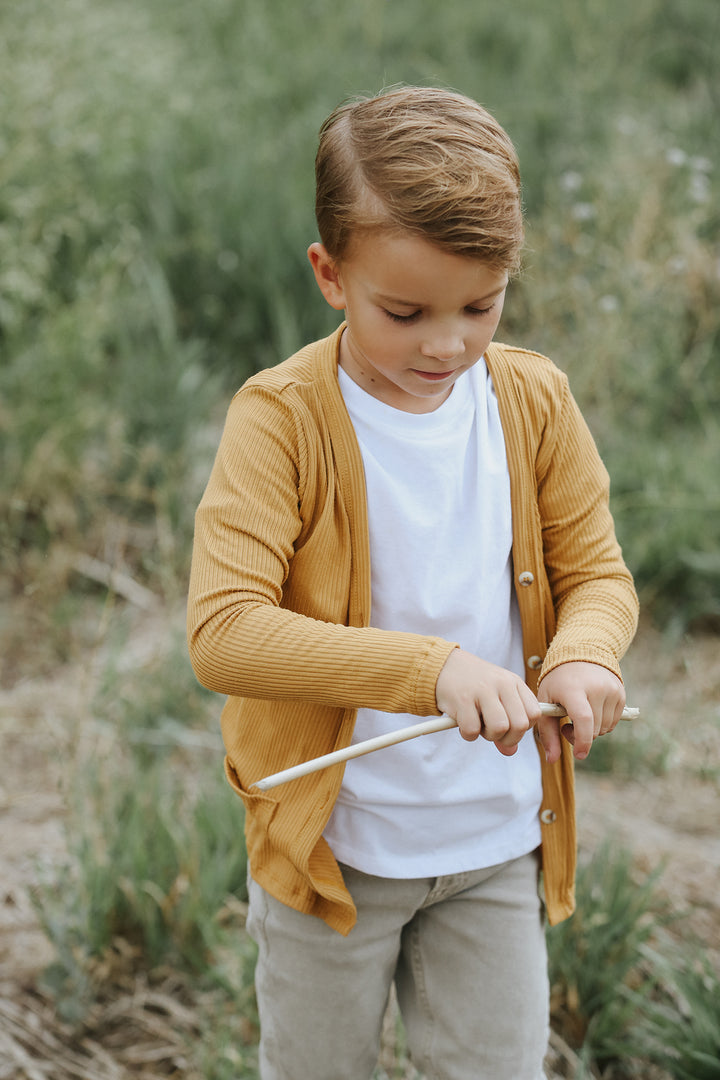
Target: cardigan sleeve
point(266, 619)
point(594, 598)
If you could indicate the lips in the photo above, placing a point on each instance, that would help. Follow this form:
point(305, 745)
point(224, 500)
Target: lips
point(433, 376)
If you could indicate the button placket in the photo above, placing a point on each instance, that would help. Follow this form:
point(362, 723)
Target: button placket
point(525, 579)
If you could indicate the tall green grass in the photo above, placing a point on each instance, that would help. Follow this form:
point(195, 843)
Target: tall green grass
point(596, 958)
point(682, 1024)
point(155, 876)
point(156, 852)
point(629, 988)
point(156, 203)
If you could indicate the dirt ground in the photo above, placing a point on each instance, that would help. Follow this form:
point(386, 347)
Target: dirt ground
point(666, 814)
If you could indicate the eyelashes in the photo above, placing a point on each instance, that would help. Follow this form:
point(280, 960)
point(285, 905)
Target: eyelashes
point(407, 320)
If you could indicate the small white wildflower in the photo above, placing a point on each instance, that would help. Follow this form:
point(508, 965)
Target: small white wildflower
point(626, 125)
point(676, 264)
point(676, 156)
point(699, 188)
point(570, 181)
point(701, 164)
point(608, 304)
point(228, 261)
point(583, 211)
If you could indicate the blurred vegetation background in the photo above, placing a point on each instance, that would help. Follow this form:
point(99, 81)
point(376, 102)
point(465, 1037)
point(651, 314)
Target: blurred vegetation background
point(156, 202)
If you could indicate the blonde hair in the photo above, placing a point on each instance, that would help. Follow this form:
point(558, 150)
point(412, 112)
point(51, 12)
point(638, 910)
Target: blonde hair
point(425, 160)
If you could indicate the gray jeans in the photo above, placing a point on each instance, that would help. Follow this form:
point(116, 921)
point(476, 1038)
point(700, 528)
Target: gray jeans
point(466, 952)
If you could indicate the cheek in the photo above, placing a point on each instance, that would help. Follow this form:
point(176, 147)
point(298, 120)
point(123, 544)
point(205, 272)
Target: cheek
point(387, 337)
point(497, 313)
point(368, 322)
point(487, 331)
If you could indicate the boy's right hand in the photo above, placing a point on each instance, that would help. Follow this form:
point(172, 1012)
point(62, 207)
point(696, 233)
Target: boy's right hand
point(486, 700)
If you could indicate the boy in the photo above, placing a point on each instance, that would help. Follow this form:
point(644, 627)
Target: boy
point(406, 518)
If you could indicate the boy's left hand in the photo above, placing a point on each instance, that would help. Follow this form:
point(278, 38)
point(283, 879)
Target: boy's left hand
point(593, 698)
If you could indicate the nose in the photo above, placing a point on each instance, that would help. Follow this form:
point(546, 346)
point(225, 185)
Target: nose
point(444, 345)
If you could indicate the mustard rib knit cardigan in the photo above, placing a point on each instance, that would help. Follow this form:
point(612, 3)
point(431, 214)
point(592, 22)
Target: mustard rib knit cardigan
point(280, 601)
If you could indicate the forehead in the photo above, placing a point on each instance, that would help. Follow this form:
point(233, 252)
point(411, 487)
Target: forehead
point(400, 265)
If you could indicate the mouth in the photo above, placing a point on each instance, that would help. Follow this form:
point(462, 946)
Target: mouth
point(433, 376)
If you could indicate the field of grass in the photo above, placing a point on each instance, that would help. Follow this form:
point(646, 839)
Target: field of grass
point(156, 195)
point(156, 203)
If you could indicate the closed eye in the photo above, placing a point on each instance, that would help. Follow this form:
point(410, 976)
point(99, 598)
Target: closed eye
point(415, 315)
point(402, 318)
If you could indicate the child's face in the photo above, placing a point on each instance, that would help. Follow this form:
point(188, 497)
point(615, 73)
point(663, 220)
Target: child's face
point(417, 316)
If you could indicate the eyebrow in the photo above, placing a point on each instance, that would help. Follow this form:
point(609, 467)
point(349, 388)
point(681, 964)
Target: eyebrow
point(387, 299)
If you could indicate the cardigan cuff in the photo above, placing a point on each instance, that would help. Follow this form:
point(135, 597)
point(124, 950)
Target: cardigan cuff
point(579, 653)
point(428, 672)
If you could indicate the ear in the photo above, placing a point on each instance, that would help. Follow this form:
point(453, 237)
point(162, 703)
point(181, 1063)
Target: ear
point(327, 275)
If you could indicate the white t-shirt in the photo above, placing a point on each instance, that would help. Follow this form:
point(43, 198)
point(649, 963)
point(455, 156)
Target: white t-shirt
point(438, 493)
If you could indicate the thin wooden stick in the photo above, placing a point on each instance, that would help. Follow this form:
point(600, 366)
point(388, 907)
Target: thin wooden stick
point(391, 738)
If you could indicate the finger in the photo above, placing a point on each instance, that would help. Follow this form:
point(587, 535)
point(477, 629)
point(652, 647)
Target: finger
point(617, 711)
point(469, 722)
point(518, 725)
point(523, 712)
point(530, 704)
point(610, 715)
point(605, 718)
point(496, 724)
point(583, 733)
point(549, 733)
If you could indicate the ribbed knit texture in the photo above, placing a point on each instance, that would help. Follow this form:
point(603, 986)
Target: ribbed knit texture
point(280, 600)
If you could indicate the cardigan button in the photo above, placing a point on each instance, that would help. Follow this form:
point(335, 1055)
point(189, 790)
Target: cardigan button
point(548, 817)
point(526, 578)
point(534, 662)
